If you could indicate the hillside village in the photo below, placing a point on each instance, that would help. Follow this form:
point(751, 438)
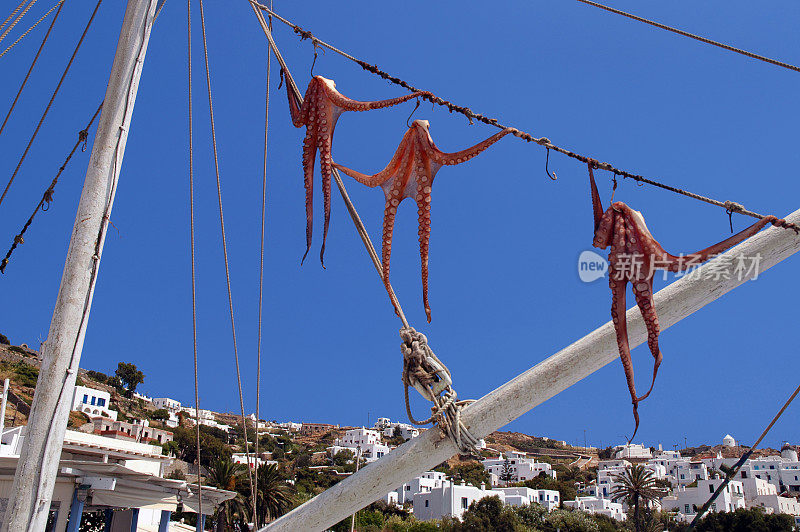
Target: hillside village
point(536, 482)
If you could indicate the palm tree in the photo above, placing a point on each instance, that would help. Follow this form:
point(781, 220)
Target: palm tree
point(634, 485)
point(224, 474)
point(274, 495)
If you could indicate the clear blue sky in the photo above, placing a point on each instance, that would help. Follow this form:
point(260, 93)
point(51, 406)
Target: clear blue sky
point(503, 283)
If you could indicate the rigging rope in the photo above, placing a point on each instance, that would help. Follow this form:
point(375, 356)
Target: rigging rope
point(191, 253)
point(12, 45)
point(729, 206)
point(13, 14)
point(705, 40)
point(742, 460)
point(261, 278)
point(33, 63)
point(50, 103)
point(421, 368)
point(225, 244)
point(47, 197)
point(3, 36)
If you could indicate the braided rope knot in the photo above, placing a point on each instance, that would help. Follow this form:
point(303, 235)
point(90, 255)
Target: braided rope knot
point(732, 206)
point(423, 370)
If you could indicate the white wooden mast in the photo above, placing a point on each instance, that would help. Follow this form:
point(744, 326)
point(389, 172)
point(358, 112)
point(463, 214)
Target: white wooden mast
point(37, 468)
point(545, 380)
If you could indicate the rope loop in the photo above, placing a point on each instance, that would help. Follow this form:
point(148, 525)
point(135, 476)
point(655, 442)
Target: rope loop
point(423, 370)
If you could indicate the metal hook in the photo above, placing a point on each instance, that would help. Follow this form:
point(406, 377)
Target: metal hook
point(314, 62)
point(547, 166)
point(614, 187)
point(730, 218)
point(412, 113)
point(281, 77)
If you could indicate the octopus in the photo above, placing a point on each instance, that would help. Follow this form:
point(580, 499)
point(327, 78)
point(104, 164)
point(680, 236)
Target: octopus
point(633, 258)
point(319, 112)
point(410, 174)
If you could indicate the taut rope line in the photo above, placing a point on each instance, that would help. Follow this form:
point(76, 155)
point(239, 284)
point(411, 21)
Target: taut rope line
point(545, 142)
point(191, 240)
point(12, 45)
point(225, 246)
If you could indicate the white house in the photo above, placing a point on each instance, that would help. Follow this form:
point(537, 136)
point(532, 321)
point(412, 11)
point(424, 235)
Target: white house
point(549, 499)
point(632, 450)
point(598, 505)
point(421, 484)
point(93, 402)
point(686, 501)
point(171, 405)
point(449, 500)
point(522, 468)
point(365, 441)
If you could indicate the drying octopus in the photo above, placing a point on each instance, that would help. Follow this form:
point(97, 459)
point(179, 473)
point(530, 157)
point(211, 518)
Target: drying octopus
point(410, 174)
point(319, 112)
point(634, 257)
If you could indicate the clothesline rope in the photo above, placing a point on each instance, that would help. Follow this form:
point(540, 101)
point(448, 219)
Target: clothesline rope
point(729, 206)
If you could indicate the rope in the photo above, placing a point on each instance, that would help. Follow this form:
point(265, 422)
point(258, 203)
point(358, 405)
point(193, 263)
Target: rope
point(47, 197)
point(742, 460)
point(191, 253)
point(159, 8)
point(12, 45)
point(12, 14)
point(745, 53)
point(3, 36)
point(423, 370)
point(541, 141)
point(33, 63)
point(50, 103)
point(421, 367)
point(261, 276)
point(225, 245)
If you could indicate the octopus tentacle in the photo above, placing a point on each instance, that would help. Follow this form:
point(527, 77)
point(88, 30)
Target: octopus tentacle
point(309, 155)
point(464, 155)
point(349, 104)
point(325, 172)
point(389, 213)
point(643, 290)
point(384, 175)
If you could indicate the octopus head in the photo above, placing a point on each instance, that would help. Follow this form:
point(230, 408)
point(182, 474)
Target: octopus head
point(329, 82)
point(424, 127)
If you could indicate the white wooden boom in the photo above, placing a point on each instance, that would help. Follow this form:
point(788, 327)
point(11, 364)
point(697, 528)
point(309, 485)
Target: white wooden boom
point(36, 472)
point(538, 384)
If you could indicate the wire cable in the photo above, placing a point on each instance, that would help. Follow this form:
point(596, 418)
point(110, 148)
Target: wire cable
point(47, 196)
point(50, 103)
point(729, 206)
point(705, 40)
point(8, 29)
point(30, 69)
point(261, 278)
point(12, 45)
point(191, 253)
point(225, 245)
point(13, 13)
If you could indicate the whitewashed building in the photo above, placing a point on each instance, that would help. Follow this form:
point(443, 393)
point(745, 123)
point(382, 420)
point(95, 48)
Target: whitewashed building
point(170, 405)
point(599, 506)
point(450, 500)
point(421, 484)
point(93, 402)
point(366, 441)
point(632, 450)
point(522, 468)
point(686, 501)
point(513, 496)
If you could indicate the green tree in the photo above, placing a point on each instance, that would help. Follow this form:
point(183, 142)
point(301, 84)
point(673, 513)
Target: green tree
point(274, 494)
point(507, 473)
point(160, 414)
point(745, 520)
point(636, 484)
point(489, 513)
point(129, 375)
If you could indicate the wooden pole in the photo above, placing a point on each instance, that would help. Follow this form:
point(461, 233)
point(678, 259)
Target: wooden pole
point(37, 468)
point(548, 378)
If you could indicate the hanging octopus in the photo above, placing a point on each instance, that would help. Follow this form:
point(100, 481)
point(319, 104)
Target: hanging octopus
point(319, 112)
point(410, 174)
point(634, 257)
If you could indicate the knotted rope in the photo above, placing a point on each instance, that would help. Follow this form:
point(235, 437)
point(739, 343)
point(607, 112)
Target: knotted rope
point(423, 370)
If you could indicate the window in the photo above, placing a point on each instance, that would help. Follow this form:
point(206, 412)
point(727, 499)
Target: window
point(464, 503)
point(744, 474)
point(714, 507)
point(683, 476)
point(711, 488)
point(408, 488)
point(101, 402)
point(94, 399)
point(85, 398)
point(427, 503)
point(686, 508)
